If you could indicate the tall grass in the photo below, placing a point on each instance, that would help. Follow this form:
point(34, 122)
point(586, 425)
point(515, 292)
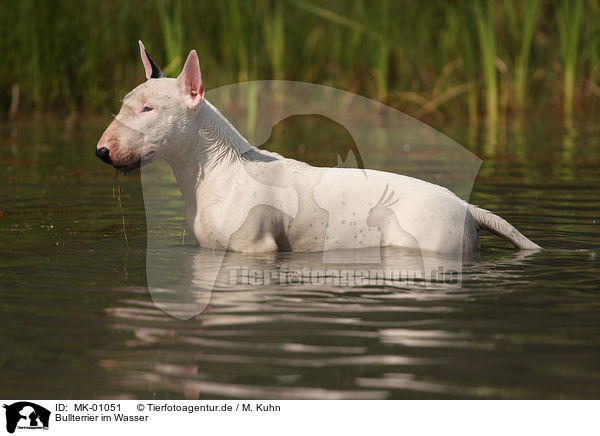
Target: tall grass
point(456, 41)
point(591, 48)
point(273, 26)
point(173, 30)
point(569, 14)
point(521, 20)
point(486, 31)
point(432, 59)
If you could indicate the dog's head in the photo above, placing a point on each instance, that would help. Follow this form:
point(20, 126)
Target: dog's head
point(155, 116)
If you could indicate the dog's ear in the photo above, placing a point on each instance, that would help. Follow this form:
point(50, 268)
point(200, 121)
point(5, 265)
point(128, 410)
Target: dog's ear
point(190, 81)
point(152, 70)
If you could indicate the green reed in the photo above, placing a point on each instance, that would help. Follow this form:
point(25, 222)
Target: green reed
point(273, 27)
point(486, 31)
point(173, 30)
point(521, 19)
point(569, 14)
point(591, 48)
point(431, 59)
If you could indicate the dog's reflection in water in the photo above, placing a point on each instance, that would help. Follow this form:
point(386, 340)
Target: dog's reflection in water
point(182, 279)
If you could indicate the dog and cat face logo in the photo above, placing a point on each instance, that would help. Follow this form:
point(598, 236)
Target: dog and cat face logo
point(26, 415)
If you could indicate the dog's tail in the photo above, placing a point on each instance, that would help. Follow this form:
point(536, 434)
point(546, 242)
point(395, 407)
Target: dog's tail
point(499, 226)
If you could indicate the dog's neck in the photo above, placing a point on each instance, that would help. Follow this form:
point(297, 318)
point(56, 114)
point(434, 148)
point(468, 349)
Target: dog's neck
point(218, 140)
point(212, 144)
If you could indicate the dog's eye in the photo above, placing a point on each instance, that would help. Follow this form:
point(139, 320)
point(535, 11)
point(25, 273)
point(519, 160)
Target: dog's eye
point(147, 109)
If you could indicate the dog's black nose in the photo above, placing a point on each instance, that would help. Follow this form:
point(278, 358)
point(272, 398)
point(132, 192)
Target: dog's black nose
point(103, 154)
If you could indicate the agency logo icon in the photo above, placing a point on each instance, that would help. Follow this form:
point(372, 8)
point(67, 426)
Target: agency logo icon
point(26, 415)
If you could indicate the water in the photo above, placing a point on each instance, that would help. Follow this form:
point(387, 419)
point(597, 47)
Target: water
point(78, 320)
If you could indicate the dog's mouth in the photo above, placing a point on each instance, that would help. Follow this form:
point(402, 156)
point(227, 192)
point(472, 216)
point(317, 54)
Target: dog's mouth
point(145, 159)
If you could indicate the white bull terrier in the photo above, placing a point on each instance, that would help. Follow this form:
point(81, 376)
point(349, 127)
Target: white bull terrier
point(242, 198)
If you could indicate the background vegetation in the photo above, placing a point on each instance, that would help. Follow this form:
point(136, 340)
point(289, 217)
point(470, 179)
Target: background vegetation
point(477, 59)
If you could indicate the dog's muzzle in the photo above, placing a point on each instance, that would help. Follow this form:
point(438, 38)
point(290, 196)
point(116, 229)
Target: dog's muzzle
point(103, 154)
